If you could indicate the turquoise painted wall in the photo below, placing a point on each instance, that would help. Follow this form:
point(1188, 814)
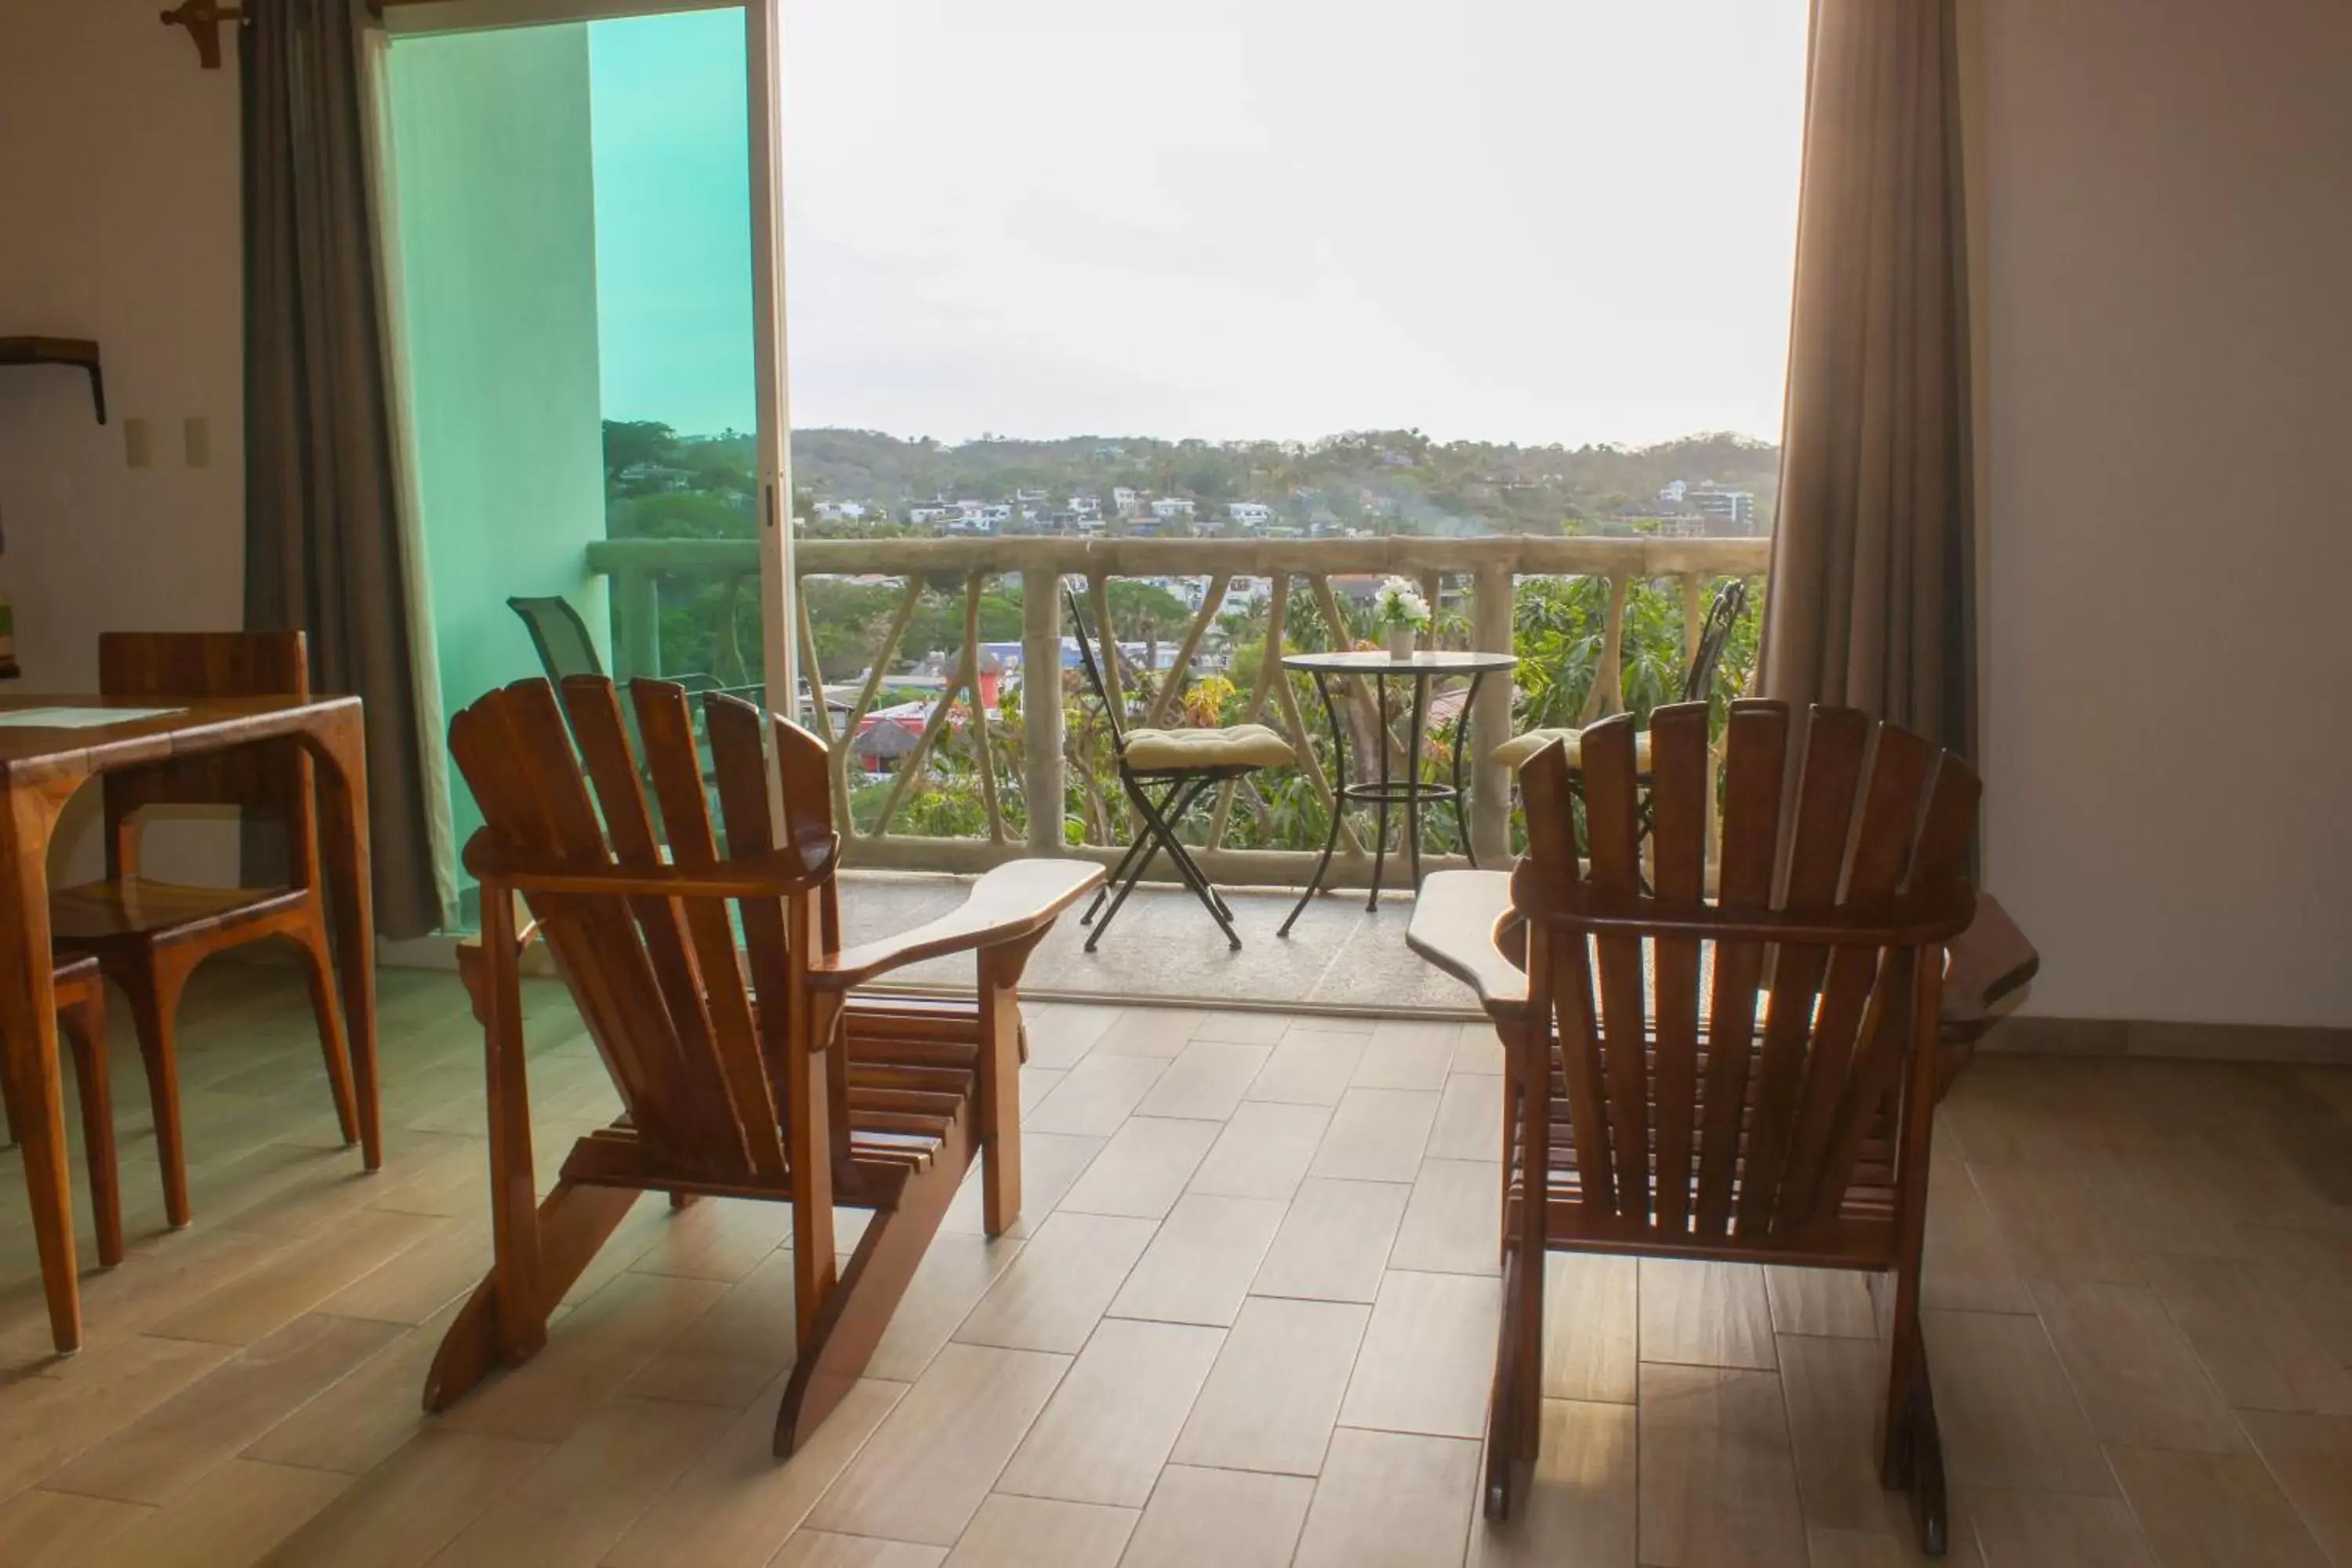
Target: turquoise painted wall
point(495, 186)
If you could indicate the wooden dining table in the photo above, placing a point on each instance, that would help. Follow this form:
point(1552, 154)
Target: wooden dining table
point(50, 746)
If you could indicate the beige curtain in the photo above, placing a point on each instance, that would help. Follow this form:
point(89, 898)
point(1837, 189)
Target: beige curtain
point(1870, 602)
point(324, 548)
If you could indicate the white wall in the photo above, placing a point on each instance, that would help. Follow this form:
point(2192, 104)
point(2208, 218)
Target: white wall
point(2168, 297)
point(118, 222)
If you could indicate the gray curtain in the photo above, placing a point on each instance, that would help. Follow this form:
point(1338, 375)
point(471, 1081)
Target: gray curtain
point(1871, 598)
point(322, 541)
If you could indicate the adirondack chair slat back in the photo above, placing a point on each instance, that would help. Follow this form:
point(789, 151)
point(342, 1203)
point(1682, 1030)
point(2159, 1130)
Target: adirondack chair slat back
point(694, 1043)
point(1732, 1066)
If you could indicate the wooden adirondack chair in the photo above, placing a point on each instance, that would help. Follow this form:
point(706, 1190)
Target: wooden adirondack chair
point(748, 1073)
point(1751, 1077)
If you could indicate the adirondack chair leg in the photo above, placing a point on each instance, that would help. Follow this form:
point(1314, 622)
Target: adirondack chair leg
point(1911, 1450)
point(839, 1341)
point(999, 1083)
point(1516, 1418)
point(573, 1225)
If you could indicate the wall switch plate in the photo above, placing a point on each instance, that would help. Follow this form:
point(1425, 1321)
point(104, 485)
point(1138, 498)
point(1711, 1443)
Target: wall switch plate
point(138, 449)
point(197, 434)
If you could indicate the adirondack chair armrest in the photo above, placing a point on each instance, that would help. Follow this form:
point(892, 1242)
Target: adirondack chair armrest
point(1458, 924)
point(1984, 968)
point(471, 957)
point(1015, 902)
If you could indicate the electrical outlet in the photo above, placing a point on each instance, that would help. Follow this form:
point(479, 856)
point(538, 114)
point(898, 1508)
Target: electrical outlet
point(196, 435)
point(138, 448)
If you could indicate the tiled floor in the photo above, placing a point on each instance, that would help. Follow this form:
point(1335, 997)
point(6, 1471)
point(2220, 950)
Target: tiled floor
point(1247, 1318)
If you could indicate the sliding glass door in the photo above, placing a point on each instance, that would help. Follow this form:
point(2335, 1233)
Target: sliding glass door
point(582, 261)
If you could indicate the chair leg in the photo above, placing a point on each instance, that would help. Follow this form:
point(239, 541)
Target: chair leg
point(326, 1004)
point(84, 1028)
point(153, 981)
point(1126, 862)
point(1911, 1450)
point(1163, 829)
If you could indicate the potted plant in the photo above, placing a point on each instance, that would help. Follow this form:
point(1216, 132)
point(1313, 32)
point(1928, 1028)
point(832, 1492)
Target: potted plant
point(1402, 612)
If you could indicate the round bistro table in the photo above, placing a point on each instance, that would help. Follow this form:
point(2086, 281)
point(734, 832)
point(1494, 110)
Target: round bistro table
point(1423, 671)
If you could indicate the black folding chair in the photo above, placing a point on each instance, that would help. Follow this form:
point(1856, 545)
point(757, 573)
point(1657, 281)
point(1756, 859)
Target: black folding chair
point(1182, 766)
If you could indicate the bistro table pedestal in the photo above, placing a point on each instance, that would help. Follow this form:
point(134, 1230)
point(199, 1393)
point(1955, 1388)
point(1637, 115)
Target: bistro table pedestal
point(1421, 672)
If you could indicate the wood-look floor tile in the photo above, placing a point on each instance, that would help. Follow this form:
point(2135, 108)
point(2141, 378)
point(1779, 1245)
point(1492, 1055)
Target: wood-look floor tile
point(47, 1420)
point(1478, 1049)
point(1309, 1066)
point(1205, 1082)
point(736, 1504)
point(1036, 1083)
point(2008, 1414)
point(164, 1452)
point(717, 1239)
point(2213, 1510)
point(1469, 1124)
point(1832, 1301)
point(158, 1277)
point(1263, 1151)
point(2311, 1458)
point(1061, 1034)
point(2259, 1351)
point(2312, 1270)
point(1376, 1135)
point(1718, 1481)
point(1100, 1092)
point(731, 1351)
point(1051, 1295)
point(1229, 1518)
point(1406, 1054)
point(1151, 1031)
point(1580, 1503)
point(1142, 1170)
point(2046, 1529)
point(242, 1510)
point(1038, 1533)
point(1274, 1396)
point(364, 1418)
point(574, 1506)
point(955, 1273)
point(591, 1351)
point(1051, 1163)
point(821, 1549)
point(1428, 1357)
point(61, 1529)
point(930, 1465)
point(281, 1289)
point(1705, 1314)
point(1334, 1244)
point(1853, 1549)
point(1199, 1266)
point(2053, 1223)
point(1244, 1028)
point(1110, 1426)
point(414, 1504)
point(2136, 1377)
point(1387, 1498)
point(1591, 1327)
point(421, 1281)
point(1966, 1267)
point(1454, 1221)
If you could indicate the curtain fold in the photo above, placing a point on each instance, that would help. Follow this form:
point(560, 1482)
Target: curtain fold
point(1870, 597)
point(324, 548)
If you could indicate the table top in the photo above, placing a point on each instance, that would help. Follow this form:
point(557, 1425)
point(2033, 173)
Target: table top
point(1380, 661)
point(31, 751)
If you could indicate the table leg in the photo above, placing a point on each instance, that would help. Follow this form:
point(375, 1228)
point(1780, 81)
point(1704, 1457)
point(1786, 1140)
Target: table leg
point(1339, 801)
point(29, 1043)
point(1462, 728)
point(1380, 744)
point(1412, 729)
point(338, 741)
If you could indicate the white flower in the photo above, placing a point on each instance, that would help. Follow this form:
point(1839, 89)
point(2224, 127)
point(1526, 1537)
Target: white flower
point(1398, 603)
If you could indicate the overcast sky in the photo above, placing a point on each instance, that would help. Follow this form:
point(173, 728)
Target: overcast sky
point(1530, 220)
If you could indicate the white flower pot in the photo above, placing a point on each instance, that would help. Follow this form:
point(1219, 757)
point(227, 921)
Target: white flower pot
point(1399, 641)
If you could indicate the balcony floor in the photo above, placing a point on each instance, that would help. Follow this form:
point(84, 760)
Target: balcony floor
point(1247, 1318)
point(1164, 946)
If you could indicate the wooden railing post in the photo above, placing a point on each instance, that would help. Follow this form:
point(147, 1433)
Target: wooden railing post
point(636, 602)
point(1043, 784)
point(1492, 630)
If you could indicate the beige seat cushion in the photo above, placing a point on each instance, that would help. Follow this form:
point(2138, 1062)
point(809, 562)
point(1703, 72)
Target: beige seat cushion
point(1242, 745)
point(1513, 752)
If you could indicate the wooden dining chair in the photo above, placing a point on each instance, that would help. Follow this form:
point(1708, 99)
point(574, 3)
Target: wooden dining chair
point(149, 935)
point(1746, 1078)
point(81, 1021)
point(743, 1073)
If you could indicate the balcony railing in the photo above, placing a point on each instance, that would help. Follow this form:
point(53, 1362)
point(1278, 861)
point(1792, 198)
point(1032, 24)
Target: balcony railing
point(1484, 570)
